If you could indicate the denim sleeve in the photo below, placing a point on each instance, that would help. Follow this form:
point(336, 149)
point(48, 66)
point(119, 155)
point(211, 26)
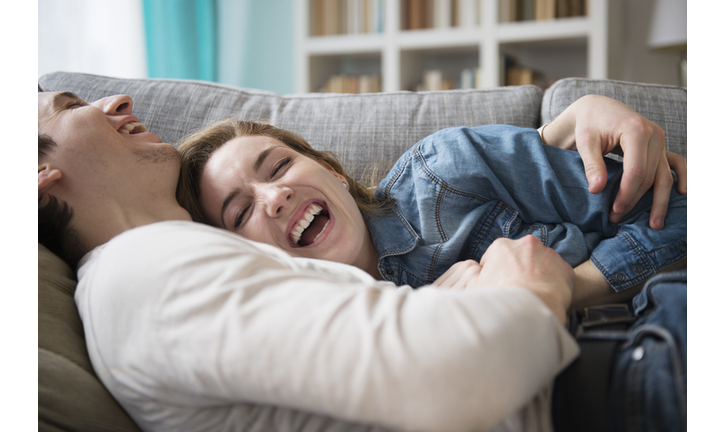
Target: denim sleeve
point(547, 187)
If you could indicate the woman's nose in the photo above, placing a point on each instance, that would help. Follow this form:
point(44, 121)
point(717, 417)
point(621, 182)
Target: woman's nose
point(115, 105)
point(275, 199)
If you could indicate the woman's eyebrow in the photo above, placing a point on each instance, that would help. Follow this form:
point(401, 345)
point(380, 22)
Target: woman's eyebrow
point(262, 157)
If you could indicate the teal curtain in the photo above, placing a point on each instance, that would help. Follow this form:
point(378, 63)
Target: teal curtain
point(181, 38)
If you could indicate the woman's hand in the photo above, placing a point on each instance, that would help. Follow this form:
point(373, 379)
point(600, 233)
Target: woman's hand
point(595, 126)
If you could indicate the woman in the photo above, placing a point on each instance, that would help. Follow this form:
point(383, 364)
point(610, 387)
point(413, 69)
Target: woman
point(444, 202)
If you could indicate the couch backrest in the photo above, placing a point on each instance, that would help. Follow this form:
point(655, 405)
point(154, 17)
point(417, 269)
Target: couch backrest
point(663, 105)
point(362, 130)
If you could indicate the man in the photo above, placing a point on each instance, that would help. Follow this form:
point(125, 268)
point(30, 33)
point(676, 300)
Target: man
point(195, 328)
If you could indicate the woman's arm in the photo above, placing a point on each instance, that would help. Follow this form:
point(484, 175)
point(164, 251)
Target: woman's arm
point(596, 125)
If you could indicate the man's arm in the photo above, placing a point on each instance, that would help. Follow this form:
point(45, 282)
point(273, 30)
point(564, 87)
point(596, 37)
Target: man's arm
point(597, 125)
point(255, 328)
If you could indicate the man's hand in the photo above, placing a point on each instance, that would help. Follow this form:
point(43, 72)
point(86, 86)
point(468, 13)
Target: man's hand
point(597, 125)
point(461, 276)
point(524, 263)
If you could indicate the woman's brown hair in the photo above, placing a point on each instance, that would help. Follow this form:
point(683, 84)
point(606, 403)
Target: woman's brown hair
point(197, 148)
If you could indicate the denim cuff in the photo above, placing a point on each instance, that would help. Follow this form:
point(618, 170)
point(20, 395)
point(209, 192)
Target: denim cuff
point(625, 263)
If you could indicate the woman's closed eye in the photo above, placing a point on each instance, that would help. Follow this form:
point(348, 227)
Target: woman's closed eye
point(281, 164)
point(240, 217)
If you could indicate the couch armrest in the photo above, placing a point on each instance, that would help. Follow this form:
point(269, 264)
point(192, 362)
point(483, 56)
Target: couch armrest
point(663, 105)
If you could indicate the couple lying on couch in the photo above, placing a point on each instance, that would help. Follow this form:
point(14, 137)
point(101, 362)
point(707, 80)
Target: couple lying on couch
point(190, 325)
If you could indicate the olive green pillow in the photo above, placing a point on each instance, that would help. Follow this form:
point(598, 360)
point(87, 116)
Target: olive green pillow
point(70, 395)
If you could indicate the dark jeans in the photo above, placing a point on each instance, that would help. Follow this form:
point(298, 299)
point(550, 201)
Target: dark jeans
point(648, 385)
point(630, 377)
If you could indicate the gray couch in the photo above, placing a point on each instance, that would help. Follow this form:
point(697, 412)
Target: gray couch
point(362, 130)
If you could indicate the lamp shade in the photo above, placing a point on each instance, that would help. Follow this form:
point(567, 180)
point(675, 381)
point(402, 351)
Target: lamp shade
point(668, 25)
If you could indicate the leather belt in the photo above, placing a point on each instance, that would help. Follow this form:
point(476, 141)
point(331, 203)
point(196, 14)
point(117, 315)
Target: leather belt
point(580, 393)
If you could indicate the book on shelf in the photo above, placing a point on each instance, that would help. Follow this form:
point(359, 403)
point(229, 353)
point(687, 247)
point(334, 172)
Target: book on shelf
point(336, 17)
point(516, 74)
point(428, 14)
point(468, 78)
point(540, 10)
point(344, 83)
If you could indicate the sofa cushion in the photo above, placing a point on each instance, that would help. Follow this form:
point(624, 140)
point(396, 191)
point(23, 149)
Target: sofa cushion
point(362, 130)
point(70, 396)
point(663, 105)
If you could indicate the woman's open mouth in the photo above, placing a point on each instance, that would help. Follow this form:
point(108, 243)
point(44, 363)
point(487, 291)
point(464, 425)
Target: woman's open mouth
point(310, 227)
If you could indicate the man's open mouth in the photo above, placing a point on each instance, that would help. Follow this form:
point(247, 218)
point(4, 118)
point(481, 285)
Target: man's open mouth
point(133, 128)
point(310, 227)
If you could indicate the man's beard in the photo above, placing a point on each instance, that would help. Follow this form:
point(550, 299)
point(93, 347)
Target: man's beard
point(158, 154)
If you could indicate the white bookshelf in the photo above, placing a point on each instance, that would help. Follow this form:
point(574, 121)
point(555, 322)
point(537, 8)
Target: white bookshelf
point(577, 46)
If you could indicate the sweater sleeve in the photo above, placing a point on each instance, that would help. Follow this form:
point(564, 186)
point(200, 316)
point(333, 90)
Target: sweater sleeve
point(226, 321)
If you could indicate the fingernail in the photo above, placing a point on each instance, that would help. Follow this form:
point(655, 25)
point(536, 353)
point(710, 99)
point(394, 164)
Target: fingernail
point(659, 222)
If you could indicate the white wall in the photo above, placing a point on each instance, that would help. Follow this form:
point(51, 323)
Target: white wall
point(638, 62)
point(256, 46)
point(104, 37)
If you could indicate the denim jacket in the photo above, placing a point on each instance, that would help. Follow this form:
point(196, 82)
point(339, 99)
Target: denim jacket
point(459, 189)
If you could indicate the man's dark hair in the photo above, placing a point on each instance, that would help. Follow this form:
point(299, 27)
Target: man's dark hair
point(54, 215)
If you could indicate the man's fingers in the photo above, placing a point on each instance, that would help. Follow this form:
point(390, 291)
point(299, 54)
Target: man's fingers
point(459, 275)
point(639, 169)
point(643, 147)
point(678, 164)
point(662, 191)
point(589, 149)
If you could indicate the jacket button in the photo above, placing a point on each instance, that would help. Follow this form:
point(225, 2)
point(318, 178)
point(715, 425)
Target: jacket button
point(390, 272)
point(620, 277)
point(637, 354)
point(639, 268)
point(682, 248)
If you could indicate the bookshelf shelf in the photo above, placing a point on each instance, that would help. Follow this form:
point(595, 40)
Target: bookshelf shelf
point(344, 44)
point(532, 31)
point(483, 42)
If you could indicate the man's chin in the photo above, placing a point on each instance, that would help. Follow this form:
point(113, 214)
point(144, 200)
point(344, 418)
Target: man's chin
point(158, 152)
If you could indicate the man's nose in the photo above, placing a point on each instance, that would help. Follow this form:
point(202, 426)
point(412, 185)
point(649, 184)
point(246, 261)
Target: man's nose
point(115, 105)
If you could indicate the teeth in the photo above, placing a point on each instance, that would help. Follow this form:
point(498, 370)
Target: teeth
point(304, 223)
point(324, 228)
point(137, 127)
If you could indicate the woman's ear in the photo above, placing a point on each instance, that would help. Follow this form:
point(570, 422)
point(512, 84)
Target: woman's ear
point(47, 177)
point(333, 171)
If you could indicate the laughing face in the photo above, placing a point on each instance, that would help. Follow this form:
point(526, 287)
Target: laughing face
point(102, 144)
point(260, 188)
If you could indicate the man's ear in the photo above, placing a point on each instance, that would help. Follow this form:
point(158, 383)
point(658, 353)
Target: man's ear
point(47, 177)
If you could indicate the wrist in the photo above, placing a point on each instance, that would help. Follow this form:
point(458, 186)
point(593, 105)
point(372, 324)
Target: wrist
point(560, 132)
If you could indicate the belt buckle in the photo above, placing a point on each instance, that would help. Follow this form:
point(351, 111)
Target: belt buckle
point(614, 314)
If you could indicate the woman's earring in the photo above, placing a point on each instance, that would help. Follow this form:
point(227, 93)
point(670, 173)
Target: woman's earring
point(344, 184)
